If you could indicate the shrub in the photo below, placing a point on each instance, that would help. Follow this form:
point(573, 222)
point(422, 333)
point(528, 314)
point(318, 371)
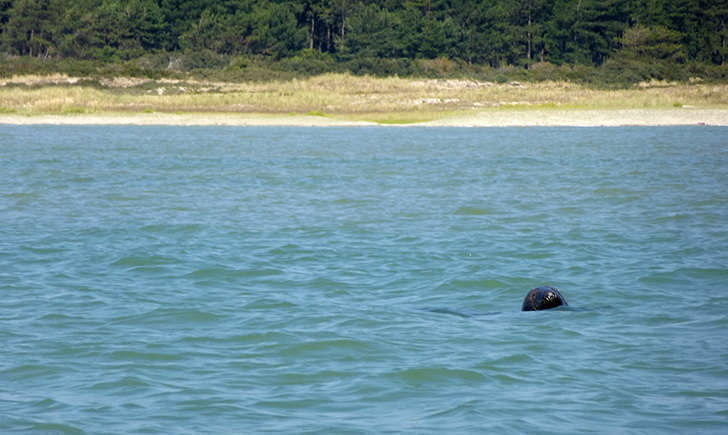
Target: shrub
point(197, 59)
point(438, 67)
point(308, 62)
point(380, 67)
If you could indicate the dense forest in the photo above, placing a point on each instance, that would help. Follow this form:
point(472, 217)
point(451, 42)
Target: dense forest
point(376, 36)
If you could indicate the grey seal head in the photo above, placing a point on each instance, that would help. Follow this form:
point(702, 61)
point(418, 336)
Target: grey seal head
point(543, 298)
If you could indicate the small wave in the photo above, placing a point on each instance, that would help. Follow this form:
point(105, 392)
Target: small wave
point(225, 273)
point(701, 273)
point(132, 355)
point(472, 211)
point(171, 228)
point(296, 404)
point(204, 406)
point(314, 377)
point(47, 403)
point(663, 278)
point(665, 319)
point(329, 348)
point(354, 201)
point(459, 409)
point(81, 179)
point(132, 261)
point(29, 371)
point(269, 304)
point(570, 210)
point(125, 382)
point(288, 248)
point(21, 195)
point(55, 428)
point(255, 338)
point(449, 312)
point(535, 255)
point(480, 284)
point(509, 361)
point(683, 275)
point(326, 284)
point(56, 317)
point(423, 375)
point(44, 250)
point(675, 217)
point(170, 316)
point(614, 191)
point(121, 198)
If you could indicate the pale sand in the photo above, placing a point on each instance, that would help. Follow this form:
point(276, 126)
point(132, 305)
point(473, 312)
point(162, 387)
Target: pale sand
point(487, 118)
point(232, 119)
point(590, 118)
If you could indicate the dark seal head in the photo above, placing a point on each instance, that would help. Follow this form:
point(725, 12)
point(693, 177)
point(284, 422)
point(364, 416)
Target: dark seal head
point(543, 298)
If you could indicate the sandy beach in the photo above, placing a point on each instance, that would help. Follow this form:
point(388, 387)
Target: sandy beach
point(589, 118)
point(346, 100)
point(487, 118)
point(201, 119)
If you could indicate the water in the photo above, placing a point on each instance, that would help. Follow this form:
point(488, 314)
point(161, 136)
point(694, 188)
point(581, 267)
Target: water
point(362, 280)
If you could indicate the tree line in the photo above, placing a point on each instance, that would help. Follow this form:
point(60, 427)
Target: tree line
point(484, 32)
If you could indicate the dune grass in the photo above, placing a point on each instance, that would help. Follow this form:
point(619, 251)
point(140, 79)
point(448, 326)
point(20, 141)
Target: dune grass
point(383, 100)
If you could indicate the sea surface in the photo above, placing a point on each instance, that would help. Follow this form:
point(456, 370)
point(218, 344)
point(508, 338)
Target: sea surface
point(362, 280)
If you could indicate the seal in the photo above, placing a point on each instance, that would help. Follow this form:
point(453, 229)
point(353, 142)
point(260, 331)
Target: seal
point(543, 298)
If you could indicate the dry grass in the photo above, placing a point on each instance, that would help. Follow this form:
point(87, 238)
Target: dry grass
point(386, 100)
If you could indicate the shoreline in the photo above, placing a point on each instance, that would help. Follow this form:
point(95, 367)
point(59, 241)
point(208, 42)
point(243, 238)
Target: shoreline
point(485, 118)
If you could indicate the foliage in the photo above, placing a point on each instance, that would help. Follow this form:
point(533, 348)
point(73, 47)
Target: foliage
point(654, 43)
point(380, 37)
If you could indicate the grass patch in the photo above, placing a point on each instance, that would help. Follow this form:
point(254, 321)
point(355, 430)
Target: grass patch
point(73, 110)
point(547, 106)
point(403, 118)
point(389, 100)
point(315, 113)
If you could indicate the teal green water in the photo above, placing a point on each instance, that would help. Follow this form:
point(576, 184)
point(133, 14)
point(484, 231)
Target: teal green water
point(362, 280)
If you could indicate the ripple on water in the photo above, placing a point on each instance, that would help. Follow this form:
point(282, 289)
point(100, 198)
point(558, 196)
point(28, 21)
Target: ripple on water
point(170, 316)
point(125, 384)
point(218, 273)
point(144, 260)
point(475, 211)
point(167, 279)
point(338, 348)
point(149, 357)
point(434, 375)
point(51, 428)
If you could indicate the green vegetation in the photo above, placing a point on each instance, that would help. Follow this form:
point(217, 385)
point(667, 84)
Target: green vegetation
point(607, 43)
point(384, 100)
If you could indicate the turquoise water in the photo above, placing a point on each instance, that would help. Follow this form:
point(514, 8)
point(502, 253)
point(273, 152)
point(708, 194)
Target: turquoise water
point(362, 280)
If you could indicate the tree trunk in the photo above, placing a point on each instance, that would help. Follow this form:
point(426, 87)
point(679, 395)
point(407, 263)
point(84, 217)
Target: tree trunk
point(313, 32)
point(530, 36)
point(722, 43)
